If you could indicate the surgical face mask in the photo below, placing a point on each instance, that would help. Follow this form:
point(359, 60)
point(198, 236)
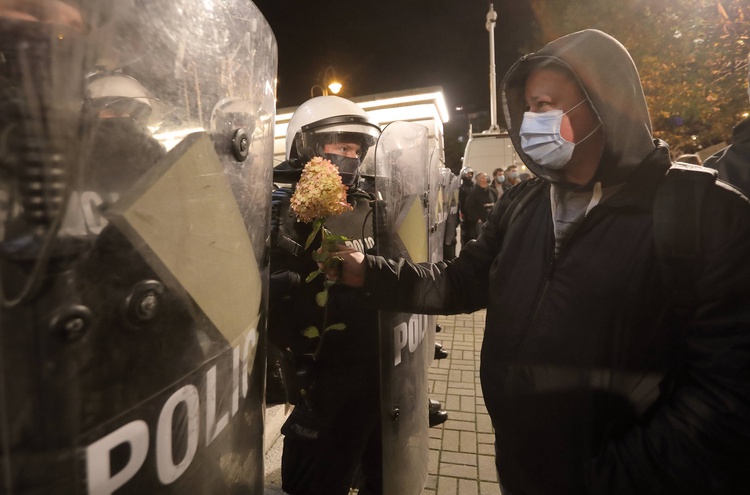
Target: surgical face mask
point(500, 179)
point(348, 167)
point(541, 139)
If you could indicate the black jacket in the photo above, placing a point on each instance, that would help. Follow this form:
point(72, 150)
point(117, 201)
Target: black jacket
point(577, 350)
point(293, 307)
point(479, 204)
point(594, 382)
point(463, 192)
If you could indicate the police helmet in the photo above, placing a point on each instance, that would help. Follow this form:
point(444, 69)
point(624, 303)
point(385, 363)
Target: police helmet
point(328, 119)
point(465, 172)
point(114, 94)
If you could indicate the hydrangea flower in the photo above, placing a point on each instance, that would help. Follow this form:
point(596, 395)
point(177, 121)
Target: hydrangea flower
point(320, 192)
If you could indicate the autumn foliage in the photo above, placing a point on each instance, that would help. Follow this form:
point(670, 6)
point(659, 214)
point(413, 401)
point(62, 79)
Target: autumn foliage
point(691, 54)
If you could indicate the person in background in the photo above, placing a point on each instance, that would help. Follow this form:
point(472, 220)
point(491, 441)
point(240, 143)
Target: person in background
point(478, 205)
point(467, 184)
point(511, 177)
point(601, 373)
point(498, 179)
point(690, 158)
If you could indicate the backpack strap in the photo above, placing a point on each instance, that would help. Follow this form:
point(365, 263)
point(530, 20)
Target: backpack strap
point(678, 207)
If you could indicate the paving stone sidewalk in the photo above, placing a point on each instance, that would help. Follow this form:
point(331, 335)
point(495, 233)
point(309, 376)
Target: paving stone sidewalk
point(462, 454)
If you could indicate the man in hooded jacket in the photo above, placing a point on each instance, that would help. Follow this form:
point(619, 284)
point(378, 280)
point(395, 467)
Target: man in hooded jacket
point(596, 379)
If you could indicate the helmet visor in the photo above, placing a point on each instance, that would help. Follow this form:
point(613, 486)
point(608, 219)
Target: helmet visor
point(351, 129)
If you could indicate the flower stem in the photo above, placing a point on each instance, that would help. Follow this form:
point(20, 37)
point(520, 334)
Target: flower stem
point(323, 329)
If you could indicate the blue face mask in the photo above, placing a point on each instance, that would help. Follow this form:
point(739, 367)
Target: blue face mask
point(541, 139)
point(500, 179)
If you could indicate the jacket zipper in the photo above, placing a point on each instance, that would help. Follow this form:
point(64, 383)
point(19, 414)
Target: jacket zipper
point(540, 299)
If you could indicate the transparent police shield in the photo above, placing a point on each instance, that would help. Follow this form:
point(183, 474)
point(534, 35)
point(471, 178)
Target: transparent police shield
point(436, 232)
point(135, 179)
point(438, 204)
point(401, 162)
point(450, 211)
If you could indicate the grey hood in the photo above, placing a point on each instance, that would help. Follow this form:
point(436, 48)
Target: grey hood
point(609, 79)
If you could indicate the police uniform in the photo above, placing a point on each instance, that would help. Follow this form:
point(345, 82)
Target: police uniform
point(335, 381)
point(335, 425)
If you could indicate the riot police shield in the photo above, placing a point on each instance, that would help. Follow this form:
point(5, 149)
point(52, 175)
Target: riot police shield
point(437, 205)
point(134, 198)
point(450, 198)
point(401, 161)
point(436, 231)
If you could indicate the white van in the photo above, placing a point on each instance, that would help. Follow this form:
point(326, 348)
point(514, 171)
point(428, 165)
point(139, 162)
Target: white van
point(489, 150)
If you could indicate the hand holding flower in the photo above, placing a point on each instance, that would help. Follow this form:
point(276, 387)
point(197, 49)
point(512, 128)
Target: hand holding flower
point(348, 268)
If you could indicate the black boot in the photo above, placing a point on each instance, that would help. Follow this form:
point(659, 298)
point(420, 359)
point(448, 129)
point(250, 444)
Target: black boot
point(440, 353)
point(438, 415)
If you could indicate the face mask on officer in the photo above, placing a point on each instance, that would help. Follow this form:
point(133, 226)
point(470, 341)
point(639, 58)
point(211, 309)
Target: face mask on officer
point(345, 156)
point(542, 141)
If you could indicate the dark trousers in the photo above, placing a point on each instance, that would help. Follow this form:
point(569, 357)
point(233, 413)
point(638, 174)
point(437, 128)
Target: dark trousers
point(325, 444)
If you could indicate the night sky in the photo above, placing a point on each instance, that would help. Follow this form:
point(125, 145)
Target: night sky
point(379, 46)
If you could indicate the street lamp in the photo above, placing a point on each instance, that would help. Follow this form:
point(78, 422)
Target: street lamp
point(333, 86)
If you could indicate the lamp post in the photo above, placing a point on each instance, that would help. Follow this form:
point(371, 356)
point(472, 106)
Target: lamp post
point(490, 26)
point(332, 86)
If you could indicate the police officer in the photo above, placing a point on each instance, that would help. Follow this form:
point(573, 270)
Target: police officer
point(467, 184)
point(335, 425)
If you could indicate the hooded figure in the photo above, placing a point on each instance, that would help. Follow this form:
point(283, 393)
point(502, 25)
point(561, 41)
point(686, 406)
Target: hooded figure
point(620, 141)
point(596, 379)
point(610, 83)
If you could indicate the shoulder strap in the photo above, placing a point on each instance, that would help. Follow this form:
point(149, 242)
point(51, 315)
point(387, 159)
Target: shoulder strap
point(677, 227)
point(279, 207)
